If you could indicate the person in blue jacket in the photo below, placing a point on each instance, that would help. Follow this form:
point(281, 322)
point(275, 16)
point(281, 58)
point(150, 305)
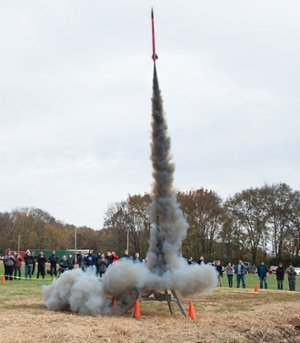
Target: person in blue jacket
point(90, 259)
point(240, 274)
point(262, 271)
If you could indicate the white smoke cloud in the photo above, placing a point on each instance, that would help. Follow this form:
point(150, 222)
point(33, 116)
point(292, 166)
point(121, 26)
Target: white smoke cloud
point(78, 292)
point(81, 292)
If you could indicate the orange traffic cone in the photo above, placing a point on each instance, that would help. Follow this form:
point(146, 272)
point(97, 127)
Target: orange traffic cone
point(137, 312)
point(192, 313)
point(256, 288)
point(114, 306)
point(3, 280)
point(296, 320)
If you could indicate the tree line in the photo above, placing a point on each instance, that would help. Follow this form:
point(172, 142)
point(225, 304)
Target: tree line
point(254, 224)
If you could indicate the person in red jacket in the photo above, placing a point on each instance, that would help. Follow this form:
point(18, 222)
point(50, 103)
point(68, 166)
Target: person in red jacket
point(17, 265)
point(115, 257)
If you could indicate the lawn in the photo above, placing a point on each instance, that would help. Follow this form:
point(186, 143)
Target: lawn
point(251, 280)
point(228, 315)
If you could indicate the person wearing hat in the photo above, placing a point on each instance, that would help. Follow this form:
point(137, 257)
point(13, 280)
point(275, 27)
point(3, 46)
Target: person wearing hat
point(291, 277)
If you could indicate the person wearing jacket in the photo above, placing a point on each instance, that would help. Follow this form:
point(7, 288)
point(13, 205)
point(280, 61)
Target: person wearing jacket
point(262, 271)
point(109, 257)
point(280, 276)
point(29, 261)
point(97, 258)
point(220, 273)
point(201, 260)
point(34, 260)
point(17, 265)
point(41, 260)
point(71, 262)
point(240, 274)
point(102, 265)
point(126, 255)
point(190, 260)
point(90, 259)
point(63, 264)
point(137, 258)
point(9, 261)
point(53, 259)
point(115, 257)
point(291, 277)
point(82, 261)
point(229, 272)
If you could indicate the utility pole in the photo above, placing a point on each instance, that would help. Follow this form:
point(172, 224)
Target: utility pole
point(127, 239)
point(75, 252)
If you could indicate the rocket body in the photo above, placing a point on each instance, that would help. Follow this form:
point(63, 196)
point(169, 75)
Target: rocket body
point(154, 56)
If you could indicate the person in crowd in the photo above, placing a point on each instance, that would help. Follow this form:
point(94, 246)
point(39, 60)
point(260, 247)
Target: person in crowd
point(240, 274)
point(126, 255)
point(71, 262)
point(82, 261)
point(201, 260)
point(90, 259)
point(262, 271)
point(219, 269)
point(190, 260)
point(280, 276)
point(97, 258)
point(53, 259)
point(34, 260)
point(63, 264)
point(41, 261)
point(9, 261)
point(17, 265)
point(137, 258)
point(229, 272)
point(109, 257)
point(29, 260)
point(102, 265)
point(115, 257)
point(291, 277)
point(7, 250)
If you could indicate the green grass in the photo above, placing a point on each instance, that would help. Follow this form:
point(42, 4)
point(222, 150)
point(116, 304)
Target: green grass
point(23, 288)
point(19, 295)
point(252, 279)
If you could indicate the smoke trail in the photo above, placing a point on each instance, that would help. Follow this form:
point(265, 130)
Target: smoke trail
point(81, 292)
point(172, 223)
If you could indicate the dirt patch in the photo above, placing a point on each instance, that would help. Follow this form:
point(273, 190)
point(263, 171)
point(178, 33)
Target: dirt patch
point(231, 316)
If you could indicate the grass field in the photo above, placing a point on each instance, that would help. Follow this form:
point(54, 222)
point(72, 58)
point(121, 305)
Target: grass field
point(229, 315)
point(251, 280)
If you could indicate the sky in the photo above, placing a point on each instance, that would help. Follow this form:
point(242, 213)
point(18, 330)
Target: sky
point(75, 99)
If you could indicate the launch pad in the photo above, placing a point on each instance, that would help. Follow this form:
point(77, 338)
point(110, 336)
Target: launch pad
point(168, 296)
point(149, 294)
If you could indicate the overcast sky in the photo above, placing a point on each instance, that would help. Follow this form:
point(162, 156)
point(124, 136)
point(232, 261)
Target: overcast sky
point(76, 84)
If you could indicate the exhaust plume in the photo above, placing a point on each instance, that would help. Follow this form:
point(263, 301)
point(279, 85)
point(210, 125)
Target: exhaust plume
point(171, 220)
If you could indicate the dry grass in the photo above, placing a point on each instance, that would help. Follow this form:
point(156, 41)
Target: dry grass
point(229, 315)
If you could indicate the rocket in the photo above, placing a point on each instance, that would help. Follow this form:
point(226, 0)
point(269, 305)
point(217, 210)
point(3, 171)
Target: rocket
point(154, 56)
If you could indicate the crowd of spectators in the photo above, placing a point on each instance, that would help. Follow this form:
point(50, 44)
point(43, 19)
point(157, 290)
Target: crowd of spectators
point(240, 271)
point(98, 262)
